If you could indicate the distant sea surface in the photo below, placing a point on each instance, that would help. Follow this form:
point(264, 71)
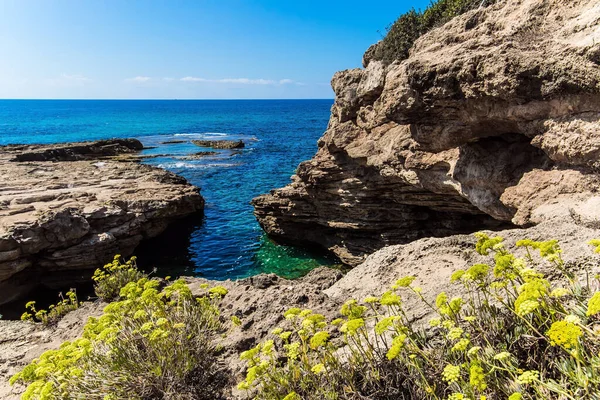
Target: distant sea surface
point(226, 242)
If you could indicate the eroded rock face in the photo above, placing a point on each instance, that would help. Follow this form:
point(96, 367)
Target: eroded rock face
point(73, 207)
point(493, 116)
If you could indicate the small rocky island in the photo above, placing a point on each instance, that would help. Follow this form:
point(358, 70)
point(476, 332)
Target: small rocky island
point(70, 207)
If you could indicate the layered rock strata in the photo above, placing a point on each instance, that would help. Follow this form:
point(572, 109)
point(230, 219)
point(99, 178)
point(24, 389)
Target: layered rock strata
point(492, 119)
point(71, 207)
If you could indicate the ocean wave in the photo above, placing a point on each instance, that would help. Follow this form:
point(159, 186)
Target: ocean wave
point(202, 134)
point(187, 165)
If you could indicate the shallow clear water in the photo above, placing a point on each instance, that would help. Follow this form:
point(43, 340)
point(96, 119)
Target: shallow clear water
point(227, 242)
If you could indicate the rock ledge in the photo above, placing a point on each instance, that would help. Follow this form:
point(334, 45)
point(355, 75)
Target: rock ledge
point(74, 206)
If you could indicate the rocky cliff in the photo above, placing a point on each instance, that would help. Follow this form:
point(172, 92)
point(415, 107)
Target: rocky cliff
point(491, 122)
point(71, 207)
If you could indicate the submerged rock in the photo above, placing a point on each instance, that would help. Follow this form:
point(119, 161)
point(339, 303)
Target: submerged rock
point(199, 155)
point(174, 142)
point(491, 122)
point(79, 210)
point(220, 144)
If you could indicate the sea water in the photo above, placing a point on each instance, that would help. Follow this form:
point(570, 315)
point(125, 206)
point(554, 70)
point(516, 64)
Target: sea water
point(227, 242)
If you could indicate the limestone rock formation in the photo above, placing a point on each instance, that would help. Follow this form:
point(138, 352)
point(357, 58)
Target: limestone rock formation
point(73, 207)
point(492, 122)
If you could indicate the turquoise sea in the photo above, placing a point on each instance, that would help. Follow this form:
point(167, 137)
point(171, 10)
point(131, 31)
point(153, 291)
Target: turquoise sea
point(226, 242)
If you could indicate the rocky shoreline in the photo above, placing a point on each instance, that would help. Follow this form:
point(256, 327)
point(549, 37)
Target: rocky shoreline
point(72, 207)
point(491, 123)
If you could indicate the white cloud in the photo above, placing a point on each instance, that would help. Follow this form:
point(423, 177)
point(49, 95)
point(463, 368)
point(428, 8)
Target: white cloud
point(243, 81)
point(138, 79)
point(246, 81)
point(194, 79)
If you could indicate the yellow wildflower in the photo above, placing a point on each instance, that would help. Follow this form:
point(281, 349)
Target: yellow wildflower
point(456, 275)
point(390, 299)
point(384, 323)
point(218, 291)
point(397, 345)
point(352, 326)
point(455, 333)
point(319, 339)
point(477, 376)
point(451, 373)
point(477, 272)
point(593, 305)
point(405, 281)
point(276, 331)
point(503, 355)
point(528, 377)
point(473, 351)
point(565, 334)
point(559, 292)
point(461, 345)
point(317, 369)
point(527, 307)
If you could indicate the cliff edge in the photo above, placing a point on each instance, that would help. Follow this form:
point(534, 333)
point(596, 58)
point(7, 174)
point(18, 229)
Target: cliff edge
point(492, 122)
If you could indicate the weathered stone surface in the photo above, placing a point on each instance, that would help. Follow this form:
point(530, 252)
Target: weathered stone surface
point(73, 207)
point(220, 144)
point(433, 260)
point(493, 116)
point(78, 151)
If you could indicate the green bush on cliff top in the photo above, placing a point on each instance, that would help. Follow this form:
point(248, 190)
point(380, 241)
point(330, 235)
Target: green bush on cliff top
point(402, 34)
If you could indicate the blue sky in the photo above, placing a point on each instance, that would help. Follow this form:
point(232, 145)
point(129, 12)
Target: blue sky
point(184, 49)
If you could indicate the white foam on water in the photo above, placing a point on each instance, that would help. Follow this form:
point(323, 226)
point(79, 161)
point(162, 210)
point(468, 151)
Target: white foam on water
point(215, 134)
point(196, 166)
point(202, 134)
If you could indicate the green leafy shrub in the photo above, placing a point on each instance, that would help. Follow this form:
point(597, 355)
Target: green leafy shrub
point(403, 33)
point(114, 276)
point(151, 344)
point(512, 336)
point(55, 312)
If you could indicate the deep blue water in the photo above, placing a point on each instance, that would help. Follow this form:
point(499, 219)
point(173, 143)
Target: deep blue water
point(227, 242)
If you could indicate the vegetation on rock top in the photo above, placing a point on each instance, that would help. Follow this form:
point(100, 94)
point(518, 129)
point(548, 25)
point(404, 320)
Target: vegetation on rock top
point(403, 33)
